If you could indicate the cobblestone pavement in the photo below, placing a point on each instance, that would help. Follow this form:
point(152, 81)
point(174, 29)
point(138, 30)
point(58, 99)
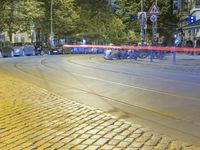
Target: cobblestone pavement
point(32, 118)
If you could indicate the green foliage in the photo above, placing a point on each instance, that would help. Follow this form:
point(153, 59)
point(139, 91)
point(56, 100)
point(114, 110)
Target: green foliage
point(125, 8)
point(91, 19)
point(19, 15)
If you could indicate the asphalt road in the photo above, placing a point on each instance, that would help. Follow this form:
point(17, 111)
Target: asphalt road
point(163, 99)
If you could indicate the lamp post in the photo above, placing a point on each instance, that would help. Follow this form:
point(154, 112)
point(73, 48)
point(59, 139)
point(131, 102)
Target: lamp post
point(51, 18)
point(51, 34)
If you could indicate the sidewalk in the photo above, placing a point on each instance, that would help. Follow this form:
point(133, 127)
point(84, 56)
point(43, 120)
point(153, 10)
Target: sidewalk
point(32, 118)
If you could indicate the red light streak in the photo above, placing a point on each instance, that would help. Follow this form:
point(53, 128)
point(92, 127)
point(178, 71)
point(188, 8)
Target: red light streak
point(126, 47)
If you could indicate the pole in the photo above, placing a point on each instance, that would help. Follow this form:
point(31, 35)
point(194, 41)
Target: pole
point(51, 34)
point(156, 21)
point(51, 18)
point(142, 27)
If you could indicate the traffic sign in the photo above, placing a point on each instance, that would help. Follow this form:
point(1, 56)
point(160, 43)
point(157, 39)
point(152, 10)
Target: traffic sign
point(153, 18)
point(132, 17)
point(154, 10)
point(191, 19)
point(142, 18)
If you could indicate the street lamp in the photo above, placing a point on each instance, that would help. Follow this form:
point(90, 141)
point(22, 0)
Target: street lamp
point(51, 34)
point(51, 18)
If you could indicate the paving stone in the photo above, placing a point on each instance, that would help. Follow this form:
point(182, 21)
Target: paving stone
point(107, 147)
point(56, 146)
point(119, 137)
point(77, 141)
point(123, 144)
point(136, 144)
point(138, 131)
point(80, 147)
point(114, 142)
point(92, 147)
point(135, 135)
point(43, 146)
point(153, 141)
point(97, 136)
point(110, 135)
point(89, 141)
point(85, 136)
point(93, 131)
point(147, 147)
point(101, 141)
point(161, 147)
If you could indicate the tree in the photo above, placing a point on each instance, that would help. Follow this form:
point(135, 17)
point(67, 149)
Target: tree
point(19, 15)
point(125, 8)
point(98, 22)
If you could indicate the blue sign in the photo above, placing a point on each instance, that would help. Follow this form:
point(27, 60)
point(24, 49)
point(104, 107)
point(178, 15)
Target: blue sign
point(191, 19)
point(132, 18)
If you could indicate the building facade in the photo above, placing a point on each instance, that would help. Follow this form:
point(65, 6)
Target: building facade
point(18, 37)
point(188, 12)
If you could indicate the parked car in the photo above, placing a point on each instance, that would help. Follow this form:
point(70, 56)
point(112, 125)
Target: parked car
point(18, 49)
point(6, 50)
point(29, 49)
point(56, 51)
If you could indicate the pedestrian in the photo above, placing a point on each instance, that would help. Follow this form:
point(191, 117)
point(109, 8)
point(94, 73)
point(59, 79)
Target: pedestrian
point(197, 45)
point(189, 44)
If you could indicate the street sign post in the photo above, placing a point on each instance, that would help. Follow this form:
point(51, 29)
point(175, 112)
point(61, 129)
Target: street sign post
point(142, 21)
point(154, 12)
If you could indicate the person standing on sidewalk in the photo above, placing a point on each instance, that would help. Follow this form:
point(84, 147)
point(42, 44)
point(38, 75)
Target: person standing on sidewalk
point(197, 45)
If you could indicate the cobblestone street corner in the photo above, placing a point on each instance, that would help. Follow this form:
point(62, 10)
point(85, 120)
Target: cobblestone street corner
point(32, 118)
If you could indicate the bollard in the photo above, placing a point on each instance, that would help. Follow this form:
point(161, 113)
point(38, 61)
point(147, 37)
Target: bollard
point(174, 55)
point(151, 56)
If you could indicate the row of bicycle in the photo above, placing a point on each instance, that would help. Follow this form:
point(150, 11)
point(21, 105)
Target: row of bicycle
point(112, 54)
point(133, 54)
